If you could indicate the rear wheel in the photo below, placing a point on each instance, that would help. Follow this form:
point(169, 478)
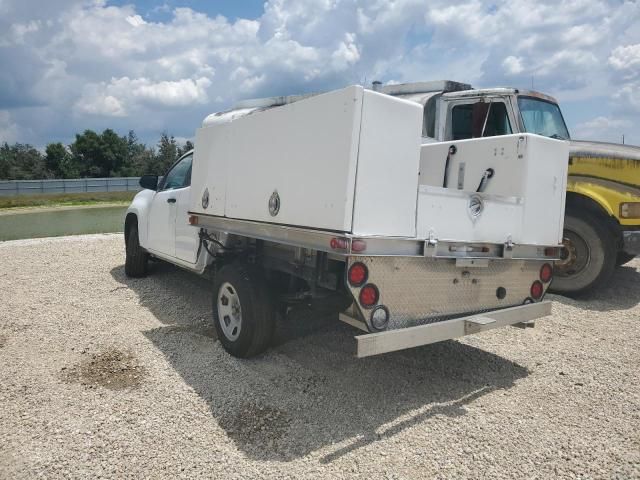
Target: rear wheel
point(243, 312)
point(136, 257)
point(589, 257)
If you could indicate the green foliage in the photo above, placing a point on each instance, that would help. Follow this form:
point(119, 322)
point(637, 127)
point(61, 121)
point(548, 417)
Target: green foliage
point(92, 154)
point(59, 161)
point(22, 162)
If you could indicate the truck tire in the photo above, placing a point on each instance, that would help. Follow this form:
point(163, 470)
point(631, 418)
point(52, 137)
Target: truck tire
point(624, 257)
point(243, 311)
point(135, 264)
point(590, 254)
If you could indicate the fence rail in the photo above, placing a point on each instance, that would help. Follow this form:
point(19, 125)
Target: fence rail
point(75, 185)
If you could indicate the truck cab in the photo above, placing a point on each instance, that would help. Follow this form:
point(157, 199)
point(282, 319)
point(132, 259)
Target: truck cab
point(602, 221)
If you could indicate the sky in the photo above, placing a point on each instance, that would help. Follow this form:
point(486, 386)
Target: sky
point(154, 66)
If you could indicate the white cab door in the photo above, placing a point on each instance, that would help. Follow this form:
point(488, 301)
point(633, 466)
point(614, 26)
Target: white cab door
point(164, 207)
point(162, 218)
point(187, 240)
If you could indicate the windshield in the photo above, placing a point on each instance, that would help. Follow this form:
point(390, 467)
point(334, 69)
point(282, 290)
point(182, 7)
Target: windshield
point(542, 118)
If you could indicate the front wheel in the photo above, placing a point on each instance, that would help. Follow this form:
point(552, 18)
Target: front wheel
point(589, 256)
point(243, 313)
point(137, 258)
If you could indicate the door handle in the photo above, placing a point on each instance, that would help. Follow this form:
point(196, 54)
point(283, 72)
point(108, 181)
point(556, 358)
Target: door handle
point(171, 200)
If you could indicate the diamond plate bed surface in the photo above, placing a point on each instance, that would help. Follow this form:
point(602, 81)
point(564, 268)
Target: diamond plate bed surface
point(422, 290)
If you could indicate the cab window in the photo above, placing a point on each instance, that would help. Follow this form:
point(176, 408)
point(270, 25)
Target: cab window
point(480, 119)
point(180, 174)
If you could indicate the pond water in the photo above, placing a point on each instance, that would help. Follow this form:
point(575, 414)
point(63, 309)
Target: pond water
point(55, 222)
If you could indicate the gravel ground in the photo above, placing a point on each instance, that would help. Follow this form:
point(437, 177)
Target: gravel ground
point(103, 376)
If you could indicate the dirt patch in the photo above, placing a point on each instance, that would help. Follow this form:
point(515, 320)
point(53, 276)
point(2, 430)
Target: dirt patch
point(256, 424)
point(112, 369)
point(3, 340)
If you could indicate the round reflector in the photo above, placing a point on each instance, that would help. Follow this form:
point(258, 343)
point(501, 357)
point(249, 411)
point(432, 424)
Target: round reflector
point(537, 290)
point(358, 274)
point(369, 295)
point(380, 317)
point(546, 273)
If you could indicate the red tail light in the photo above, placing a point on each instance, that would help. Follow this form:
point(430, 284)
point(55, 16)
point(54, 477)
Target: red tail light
point(369, 295)
point(546, 273)
point(537, 290)
point(358, 274)
point(358, 245)
point(338, 243)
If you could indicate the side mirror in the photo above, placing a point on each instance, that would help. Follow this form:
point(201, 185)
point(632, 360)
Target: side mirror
point(150, 182)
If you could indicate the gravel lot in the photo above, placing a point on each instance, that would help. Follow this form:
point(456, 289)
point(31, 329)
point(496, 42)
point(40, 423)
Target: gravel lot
point(106, 376)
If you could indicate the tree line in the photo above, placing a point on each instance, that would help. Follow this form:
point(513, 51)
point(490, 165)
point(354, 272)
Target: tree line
point(92, 155)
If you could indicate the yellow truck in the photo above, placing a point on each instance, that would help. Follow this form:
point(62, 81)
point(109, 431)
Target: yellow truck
point(602, 219)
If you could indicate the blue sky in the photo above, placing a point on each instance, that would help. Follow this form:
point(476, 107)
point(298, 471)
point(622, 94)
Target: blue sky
point(231, 9)
point(155, 66)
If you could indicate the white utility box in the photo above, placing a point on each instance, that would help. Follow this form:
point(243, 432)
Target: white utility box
point(346, 160)
point(518, 203)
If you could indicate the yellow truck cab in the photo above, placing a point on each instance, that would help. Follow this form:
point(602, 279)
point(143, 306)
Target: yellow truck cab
point(602, 217)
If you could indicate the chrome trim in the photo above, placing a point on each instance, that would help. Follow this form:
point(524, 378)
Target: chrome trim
point(393, 340)
point(375, 246)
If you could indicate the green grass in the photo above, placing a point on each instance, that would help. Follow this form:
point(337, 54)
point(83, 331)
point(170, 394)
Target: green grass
point(65, 199)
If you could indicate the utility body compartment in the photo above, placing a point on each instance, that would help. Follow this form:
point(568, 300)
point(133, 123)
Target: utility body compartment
point(345, 161)
point(352, 161)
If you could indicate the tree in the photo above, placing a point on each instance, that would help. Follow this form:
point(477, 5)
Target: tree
point(167, 152)
point(99, 155)
point(21, 162)
point(60, 162)
point(185, 148)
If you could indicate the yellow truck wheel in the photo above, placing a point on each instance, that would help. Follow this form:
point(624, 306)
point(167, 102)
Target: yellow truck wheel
point(589, 257)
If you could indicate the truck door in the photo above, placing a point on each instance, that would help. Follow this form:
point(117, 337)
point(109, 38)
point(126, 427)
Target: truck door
point(187, 240)
point(478, 117)
point(163, 211)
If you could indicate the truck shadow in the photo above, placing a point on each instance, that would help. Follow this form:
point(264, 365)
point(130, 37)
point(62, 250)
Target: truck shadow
point(309, 392)
point(621, 293)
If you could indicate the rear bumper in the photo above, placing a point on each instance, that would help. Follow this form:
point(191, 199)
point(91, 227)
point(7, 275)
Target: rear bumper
point(392, 340)
point(631, 242)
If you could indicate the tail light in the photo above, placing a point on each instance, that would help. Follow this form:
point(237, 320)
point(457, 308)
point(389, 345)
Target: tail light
point(339, 243)
point(537, 290)
point(358, 245)
point(369, 295)
point(546, 273)
point(357, 274)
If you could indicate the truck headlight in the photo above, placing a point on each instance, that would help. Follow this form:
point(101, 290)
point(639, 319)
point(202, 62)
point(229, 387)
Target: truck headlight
point(630, 210)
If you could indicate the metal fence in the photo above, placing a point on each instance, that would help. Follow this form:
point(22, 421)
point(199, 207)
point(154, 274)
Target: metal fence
point(75, 185)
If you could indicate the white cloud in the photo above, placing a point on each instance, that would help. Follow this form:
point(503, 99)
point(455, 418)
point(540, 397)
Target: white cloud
point(113, 66)
point(603, 128)
point(8, 130)
point(513, 65)
point(121, 95)
point(135, 20)
point(626, 57)
point(346, 54)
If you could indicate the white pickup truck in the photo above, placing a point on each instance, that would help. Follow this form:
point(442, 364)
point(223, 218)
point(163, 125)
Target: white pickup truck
point(336, 199)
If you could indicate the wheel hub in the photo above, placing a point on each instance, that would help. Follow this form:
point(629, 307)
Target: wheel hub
point(229, 311)
point(574, 256)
